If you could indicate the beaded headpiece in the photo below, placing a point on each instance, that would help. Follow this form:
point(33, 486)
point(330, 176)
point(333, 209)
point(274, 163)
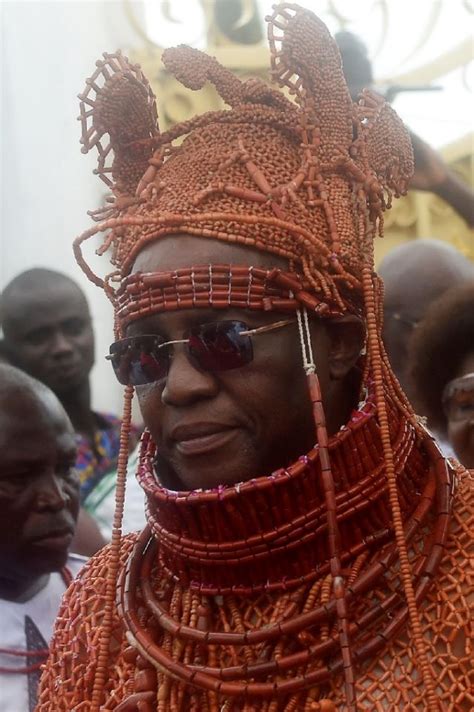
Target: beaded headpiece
point(306, 178)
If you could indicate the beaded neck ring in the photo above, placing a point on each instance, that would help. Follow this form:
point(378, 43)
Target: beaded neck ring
point(307, 179)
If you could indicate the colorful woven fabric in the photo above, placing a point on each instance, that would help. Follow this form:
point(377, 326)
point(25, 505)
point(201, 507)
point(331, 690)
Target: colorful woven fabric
point(101, 501)
point(93, 463)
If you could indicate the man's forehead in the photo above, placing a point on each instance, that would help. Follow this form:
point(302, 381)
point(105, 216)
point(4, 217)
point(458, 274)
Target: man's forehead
point(417, 273)
point(26, 416)
point(177, 251)
point(51, 290)
point(30, 446)
point(413, 296)
point(41, 306)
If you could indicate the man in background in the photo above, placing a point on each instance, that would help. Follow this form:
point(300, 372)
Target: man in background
point(415, 274)
point(442, 366)
point(48, 333)
point(39, 503)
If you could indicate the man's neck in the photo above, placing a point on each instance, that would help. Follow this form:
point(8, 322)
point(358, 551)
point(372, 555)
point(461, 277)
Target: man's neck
point(77, 404)
point(21, 590)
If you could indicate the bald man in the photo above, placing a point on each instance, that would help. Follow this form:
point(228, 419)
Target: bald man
point(415, 274)
point(48, 333)
point(39, 502)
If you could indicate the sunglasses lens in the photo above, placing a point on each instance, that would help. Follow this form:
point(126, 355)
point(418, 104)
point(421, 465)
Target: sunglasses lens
point(219, 346)
point(137, 362)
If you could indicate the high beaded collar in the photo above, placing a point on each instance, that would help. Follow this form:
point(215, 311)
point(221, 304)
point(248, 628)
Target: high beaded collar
point(270, 533)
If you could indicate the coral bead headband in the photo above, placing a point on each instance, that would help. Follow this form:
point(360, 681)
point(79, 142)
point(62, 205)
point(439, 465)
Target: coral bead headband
point(220, 287)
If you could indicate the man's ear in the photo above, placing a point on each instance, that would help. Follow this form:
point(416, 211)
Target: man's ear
point(346, 341)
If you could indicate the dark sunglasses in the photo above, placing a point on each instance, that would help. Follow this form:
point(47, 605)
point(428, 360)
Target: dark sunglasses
point(217, 346)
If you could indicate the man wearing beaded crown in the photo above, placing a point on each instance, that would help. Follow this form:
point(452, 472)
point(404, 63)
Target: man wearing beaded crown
point(297, 511)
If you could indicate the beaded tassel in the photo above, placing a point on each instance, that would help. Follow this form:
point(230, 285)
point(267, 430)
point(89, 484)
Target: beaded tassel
point(101, 669)
point(333, 534)
point(334, 538)
point(374, 339)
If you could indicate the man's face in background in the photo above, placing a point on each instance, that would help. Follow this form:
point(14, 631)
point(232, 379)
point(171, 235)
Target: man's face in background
point(48, 334)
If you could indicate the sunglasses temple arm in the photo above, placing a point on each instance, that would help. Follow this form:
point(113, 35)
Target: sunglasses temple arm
point(171, 343)
point(268, 327)
point(109, 357)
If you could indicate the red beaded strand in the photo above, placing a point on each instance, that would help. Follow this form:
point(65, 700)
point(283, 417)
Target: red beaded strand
point(333, 536)
point(100, 674)
point(374, 340)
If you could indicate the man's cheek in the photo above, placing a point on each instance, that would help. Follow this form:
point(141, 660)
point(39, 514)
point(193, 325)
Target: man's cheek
point(146, 395)
point(29, 356)
point(151, 407)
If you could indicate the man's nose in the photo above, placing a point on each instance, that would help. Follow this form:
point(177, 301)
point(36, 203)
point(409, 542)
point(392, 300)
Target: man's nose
point(185, 383)
point(51, 492)
point(60, 344)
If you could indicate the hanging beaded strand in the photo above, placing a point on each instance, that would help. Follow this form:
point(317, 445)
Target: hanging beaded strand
point(374, 340)
point(101, 668)
point(333, 535)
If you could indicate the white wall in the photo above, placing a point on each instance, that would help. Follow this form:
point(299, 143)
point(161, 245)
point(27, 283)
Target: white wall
point(48, 49)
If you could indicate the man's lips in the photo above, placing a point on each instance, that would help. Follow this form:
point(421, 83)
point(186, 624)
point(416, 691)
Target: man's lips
point(66, 370)
point(54, 538)
point(200, 438)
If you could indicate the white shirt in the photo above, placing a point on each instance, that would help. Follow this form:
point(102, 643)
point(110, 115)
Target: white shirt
point(29, 626)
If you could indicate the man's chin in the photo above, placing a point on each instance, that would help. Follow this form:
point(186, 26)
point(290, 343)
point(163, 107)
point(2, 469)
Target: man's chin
point(210, 477)
point(62, 385)
point(208, 463)
point(50, 561)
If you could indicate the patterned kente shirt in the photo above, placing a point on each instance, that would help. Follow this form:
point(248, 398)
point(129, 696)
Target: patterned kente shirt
point(94, 463)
